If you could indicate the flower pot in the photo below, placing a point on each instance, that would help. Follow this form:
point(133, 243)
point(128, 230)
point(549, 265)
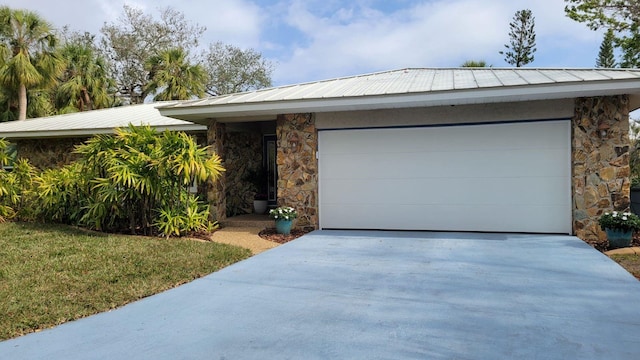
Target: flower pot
point(284, 226)
point(260, 206)
point(619, 238)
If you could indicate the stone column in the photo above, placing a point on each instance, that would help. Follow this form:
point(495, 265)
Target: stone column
point(216, 191)
point(298, 167)
point(600, 156)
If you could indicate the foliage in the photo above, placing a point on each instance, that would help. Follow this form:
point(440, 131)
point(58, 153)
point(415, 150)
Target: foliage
point(629, 44)
point(17, 196)
point(29, 59)
point(139, 180)
point(172, 77)
point(84, 82)
point(235, 70)
point(624, 221)
point(51, 274)
point(283, 213)
point(474, 63)
point(522, 44)
point(606, 58)
point(137, 37)
point(618, 15)
point(136, 181)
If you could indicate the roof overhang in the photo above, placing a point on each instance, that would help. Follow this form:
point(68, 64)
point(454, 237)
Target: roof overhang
point(265, 110)
point(70, 133)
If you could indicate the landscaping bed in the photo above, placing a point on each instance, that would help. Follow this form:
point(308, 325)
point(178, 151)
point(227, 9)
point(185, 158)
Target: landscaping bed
point(272, 235)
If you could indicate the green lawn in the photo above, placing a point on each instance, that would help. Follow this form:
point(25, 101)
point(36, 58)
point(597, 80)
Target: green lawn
point(630, 262)
point(50, 274)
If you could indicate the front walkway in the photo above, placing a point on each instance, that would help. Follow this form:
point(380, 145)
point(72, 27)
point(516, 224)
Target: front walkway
point(365, 295)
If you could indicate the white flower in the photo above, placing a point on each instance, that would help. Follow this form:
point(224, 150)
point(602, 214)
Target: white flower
point(624, 218)
point(615, 214)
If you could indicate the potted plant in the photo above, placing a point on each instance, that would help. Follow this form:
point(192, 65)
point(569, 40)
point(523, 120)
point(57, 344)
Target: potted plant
point(619, 227)
point(283, 216)
point(260, 203)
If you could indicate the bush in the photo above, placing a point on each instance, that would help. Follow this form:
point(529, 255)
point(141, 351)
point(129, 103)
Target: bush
point(624, 221)
point(136, 181)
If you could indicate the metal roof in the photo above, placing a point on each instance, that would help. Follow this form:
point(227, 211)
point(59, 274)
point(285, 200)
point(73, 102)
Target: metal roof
point(87, 123)
point(413, 88)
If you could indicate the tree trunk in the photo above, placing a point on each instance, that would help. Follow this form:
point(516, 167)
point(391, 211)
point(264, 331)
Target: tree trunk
point(22, 102)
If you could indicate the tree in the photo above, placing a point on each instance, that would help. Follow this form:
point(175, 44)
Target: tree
point(172, 77)
point(606, 58)
point(523, 39)
point(84, 83)
point(235, 70)
point(29, 60)
point(137, 37)
point(618, 15)
point(474, 63)
point(621, 17)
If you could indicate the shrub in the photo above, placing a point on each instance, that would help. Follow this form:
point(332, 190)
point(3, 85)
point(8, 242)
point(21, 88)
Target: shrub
point(136, 181)
point(624, 221)
point(283, 213)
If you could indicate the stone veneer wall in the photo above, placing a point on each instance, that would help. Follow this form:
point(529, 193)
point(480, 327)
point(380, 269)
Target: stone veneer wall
point(600, 163)
point(243, 162)
point(49, 153)
point(216, 191)
point(297, 139)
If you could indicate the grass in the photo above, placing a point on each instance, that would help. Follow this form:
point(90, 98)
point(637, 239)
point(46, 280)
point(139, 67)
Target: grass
point(50, 274)
point(630, 262)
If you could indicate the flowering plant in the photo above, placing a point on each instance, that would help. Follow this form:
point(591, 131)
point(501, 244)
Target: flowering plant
point(283, 213)
point(624, 221)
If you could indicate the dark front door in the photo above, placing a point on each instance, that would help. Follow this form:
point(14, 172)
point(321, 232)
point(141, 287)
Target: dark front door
point(270, 149)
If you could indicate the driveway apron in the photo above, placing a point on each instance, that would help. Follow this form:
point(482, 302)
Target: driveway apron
point(376, 295)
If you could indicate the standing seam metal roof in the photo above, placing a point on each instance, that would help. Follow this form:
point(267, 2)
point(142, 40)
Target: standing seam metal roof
point(413, 81)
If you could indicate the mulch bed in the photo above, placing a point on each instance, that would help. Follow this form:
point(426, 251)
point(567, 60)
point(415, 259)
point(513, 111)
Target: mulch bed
point(272, 235)
point(603, 245)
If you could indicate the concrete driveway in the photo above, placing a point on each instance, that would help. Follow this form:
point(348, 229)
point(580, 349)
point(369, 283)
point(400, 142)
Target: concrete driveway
point(376, 295)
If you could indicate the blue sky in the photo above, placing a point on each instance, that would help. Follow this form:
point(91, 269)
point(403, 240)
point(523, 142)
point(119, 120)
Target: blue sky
point(312, 40)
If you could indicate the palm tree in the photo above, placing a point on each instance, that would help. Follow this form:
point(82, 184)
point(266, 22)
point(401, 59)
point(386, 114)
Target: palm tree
point(28, 44)
point(172, 77)
point(85, 85)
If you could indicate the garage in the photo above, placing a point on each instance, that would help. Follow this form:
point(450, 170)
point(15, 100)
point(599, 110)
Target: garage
point(498, 177)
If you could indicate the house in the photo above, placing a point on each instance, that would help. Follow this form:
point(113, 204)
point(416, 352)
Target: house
point(460, 149)
point(49, 141)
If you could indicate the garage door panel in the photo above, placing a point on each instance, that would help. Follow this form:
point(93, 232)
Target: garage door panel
point(439, 172)
point(450, 217)
point(447, 164)
point(438, 138)
point(436, 191)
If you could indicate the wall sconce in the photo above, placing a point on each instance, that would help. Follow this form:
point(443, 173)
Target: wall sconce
point(603, 129)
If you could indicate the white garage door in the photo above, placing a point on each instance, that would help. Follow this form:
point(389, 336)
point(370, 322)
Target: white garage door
point(512, 177)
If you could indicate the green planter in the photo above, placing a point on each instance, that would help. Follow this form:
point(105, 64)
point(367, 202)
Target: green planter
point(284, 226)
point(619, 238)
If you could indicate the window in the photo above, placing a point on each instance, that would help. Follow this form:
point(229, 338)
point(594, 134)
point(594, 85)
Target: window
point(12, 154)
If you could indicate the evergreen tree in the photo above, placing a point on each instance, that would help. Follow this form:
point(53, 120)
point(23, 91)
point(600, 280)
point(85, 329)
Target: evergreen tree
point(522, 42)
point(606, 58)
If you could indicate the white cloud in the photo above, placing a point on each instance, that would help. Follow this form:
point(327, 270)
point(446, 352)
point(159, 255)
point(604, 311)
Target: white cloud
point(315, 39)
point(357, 38)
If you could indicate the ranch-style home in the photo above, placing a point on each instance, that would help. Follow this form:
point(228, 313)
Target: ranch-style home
point(459, 149)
